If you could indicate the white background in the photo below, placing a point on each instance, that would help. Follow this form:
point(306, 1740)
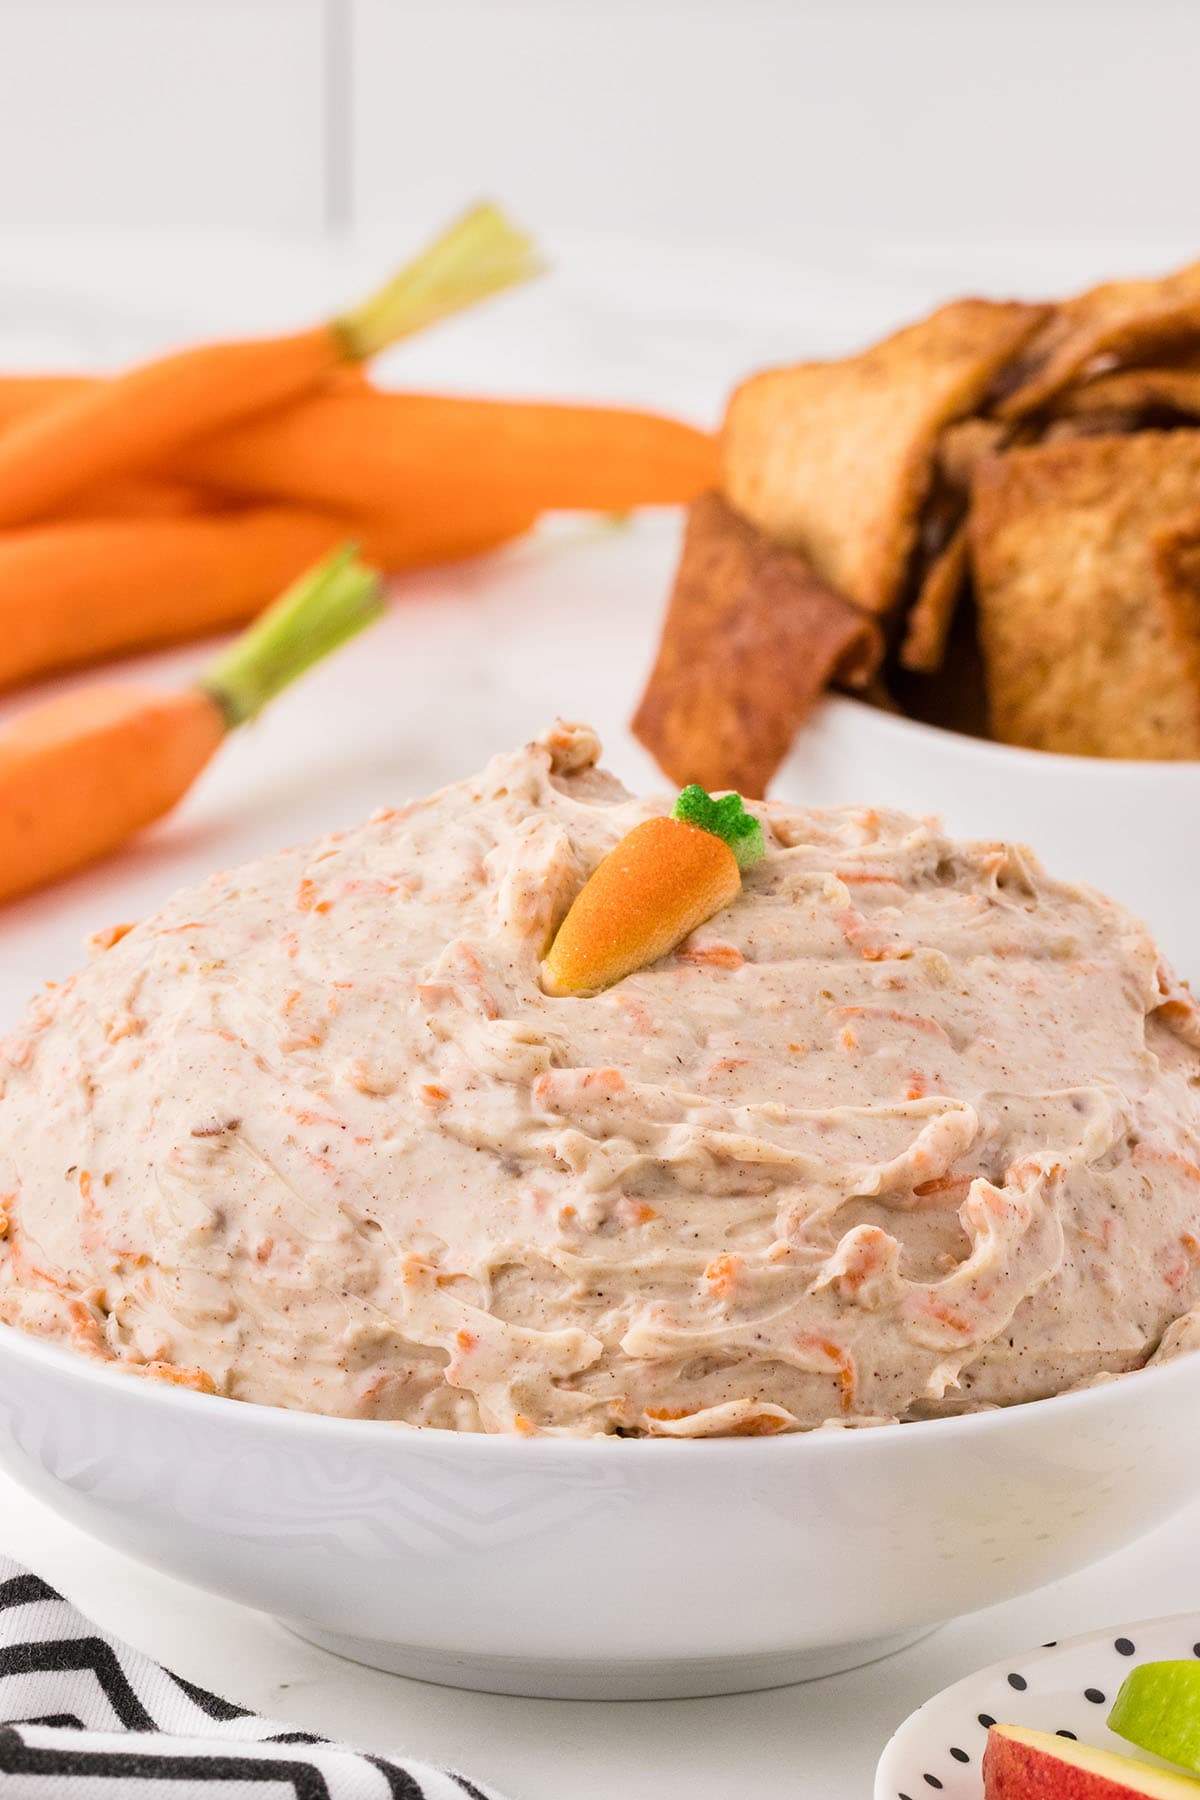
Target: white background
point(701, 119)
point(719, 184)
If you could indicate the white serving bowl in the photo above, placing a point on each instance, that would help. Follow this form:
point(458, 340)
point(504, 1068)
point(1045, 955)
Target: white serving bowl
point(1128, 828)
point(607, 1568)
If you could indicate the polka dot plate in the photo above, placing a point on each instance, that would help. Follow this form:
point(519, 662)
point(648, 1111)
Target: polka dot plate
point(1066, 1688)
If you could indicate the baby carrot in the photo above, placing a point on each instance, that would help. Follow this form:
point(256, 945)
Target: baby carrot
point(136, 420)
point(353, 450)
point(77, 592)
point(665, 877)
point(80, 774)
point(350, 448)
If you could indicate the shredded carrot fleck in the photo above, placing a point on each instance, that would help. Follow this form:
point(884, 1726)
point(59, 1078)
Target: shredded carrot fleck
point(433, 1095)
point(128, 1026)
point(633, 1212)
point(416, 1272)
point(943, 1185)
point(842, 1364)
point(666, 1412)
point(1146, 1154)
point(105, 939)
point(466, 1340)
point(946, 1315)
point(847, 1038)
point(196, 1379)
point(369, 887)
point(641, 1019)
point(524, 1426)
point(721, 1275)
point(369, 1081)
point(761, 1425)
point(715, 956)
point(920, 1021)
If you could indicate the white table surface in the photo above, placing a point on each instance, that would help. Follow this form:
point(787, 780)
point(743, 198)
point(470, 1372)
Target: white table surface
point(469, 661)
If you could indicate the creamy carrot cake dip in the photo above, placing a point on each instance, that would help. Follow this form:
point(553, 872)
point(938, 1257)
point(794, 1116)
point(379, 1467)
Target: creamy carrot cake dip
point(908, 1128)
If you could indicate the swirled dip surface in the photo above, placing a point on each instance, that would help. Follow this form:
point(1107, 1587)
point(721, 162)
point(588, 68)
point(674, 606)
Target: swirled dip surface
point(910, 1127)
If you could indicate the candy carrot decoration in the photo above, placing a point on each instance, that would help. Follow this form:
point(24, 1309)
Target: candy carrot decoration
point(80, 774)
point(666, 877)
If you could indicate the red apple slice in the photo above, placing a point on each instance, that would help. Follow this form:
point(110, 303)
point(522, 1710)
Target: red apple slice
point(1032, 1765)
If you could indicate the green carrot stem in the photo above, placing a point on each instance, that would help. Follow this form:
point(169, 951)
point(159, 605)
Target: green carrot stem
point(725, 818)
point(322, 610)
point(478, 256)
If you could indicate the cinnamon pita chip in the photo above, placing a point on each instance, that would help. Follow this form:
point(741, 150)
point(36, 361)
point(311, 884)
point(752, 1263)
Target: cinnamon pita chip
point(1108, 421)
point(927, 627)
point(836, 458)
point(1127, 321)
point(1136, 392)
point(1175, 550)
point(1086, 649)
point(963, 445)
point(751, 639)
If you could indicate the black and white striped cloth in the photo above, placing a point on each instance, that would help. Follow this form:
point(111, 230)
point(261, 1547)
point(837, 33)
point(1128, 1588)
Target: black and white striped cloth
point(84, 1717)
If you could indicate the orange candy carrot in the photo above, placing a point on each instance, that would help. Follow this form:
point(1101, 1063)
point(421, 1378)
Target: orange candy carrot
point(137, 420)
point(80, 774)
point(665, 878)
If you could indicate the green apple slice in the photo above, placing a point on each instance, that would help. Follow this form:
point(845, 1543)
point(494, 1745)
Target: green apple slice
point(1158, 1709)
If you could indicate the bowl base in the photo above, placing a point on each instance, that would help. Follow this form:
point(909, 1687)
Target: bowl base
point(682, 1678)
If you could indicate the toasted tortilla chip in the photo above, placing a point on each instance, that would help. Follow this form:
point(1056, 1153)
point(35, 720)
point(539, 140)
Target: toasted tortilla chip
point(923, 647)
point(1128, 321)
point(835, 459)
point(1084, 650)
point(1136, 392)
point(751, 639)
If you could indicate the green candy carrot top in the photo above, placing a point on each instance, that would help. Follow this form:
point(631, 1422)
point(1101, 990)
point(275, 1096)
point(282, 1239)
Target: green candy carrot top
point(665, 878)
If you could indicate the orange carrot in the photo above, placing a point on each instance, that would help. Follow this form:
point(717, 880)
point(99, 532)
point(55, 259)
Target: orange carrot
point(76, 592)
point(140, 497)
point(350, 448)
point(21, 395)
point(135, 421)
point(81, 773)
point(355, 451)
point(665, 877)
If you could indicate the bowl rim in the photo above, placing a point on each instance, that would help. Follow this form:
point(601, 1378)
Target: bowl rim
point(334, 1429)
point(942, 739)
